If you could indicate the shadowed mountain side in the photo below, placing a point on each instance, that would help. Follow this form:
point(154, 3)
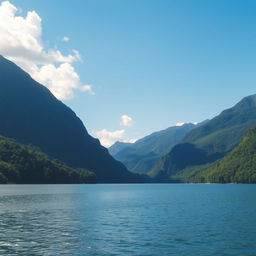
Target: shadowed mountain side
point(214, 139)
point(117, 147)
point(239, 166)
point(225, 131)
point(32, 115)
point(172, 163)
point(20, 164)
point(141, 156)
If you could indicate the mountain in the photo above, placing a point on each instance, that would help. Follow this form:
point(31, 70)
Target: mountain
point(118, 146)
point(33, 116)
point(239, 166)
point(141, 156)
point(210, 141)
point(20, 164)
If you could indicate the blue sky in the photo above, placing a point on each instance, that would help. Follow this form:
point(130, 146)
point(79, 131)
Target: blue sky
point(159, 62)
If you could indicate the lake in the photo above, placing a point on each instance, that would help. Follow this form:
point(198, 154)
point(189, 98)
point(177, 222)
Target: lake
point(136, 219)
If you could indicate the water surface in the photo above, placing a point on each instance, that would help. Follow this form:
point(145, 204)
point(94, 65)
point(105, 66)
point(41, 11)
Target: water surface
point(141, 219)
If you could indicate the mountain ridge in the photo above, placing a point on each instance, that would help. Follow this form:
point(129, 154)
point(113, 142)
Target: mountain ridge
point(238, 166)
point(32, 115)
point(215, 139)
point(141, 156)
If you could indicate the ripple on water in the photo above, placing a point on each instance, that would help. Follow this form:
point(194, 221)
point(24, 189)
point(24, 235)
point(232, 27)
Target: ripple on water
point(148, 220)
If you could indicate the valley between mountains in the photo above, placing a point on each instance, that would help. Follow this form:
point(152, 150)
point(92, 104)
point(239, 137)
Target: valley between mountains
point(43, 141)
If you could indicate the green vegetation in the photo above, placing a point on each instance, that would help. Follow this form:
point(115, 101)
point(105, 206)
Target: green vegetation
point(192, 174)
point(30, 114)
point(211, 141)
point(20, 164)
point(239, 166)
point(172, 163)
point(141, 156)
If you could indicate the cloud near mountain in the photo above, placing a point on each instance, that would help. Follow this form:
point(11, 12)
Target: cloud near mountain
point(21, 42)
point(108, 138)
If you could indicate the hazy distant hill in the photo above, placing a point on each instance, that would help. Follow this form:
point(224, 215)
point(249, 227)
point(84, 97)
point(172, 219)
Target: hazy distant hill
point(211, 141)
point(32, 115)
point(117, 147)
point(20, 164)
point(142, 155)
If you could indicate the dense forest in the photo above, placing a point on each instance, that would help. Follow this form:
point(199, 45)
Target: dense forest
point(21, 164)
point(208, 143)
point(239, 166)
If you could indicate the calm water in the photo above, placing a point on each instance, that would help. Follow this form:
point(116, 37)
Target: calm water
point(153, 220)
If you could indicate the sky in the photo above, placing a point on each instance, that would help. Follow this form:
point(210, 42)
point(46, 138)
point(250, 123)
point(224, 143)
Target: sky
point(132, 67)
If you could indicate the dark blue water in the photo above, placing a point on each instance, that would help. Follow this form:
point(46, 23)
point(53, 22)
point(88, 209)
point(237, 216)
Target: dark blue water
point(153, 220)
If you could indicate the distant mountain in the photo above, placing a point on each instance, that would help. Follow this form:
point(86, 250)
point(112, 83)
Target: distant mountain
point(32, 115)
point(118, 146)
point(239, 166)
point(210, 141)
point(20, 164)
point(141, 156)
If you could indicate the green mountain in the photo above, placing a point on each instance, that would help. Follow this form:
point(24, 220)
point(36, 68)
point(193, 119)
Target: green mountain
point(33, 116)
point(210, 141)
point(239, 166)
point(141, 156)
point(20, 164)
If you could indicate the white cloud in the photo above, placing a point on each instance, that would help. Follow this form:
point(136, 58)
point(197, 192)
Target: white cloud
point(65, 39)
point(108, 138)
point(21, 42)
point(126, 121)
point(64, 80)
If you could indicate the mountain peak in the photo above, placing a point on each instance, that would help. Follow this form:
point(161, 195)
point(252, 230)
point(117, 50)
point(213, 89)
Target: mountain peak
point(215, 138)
point(33, 116)
point(247, 102)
